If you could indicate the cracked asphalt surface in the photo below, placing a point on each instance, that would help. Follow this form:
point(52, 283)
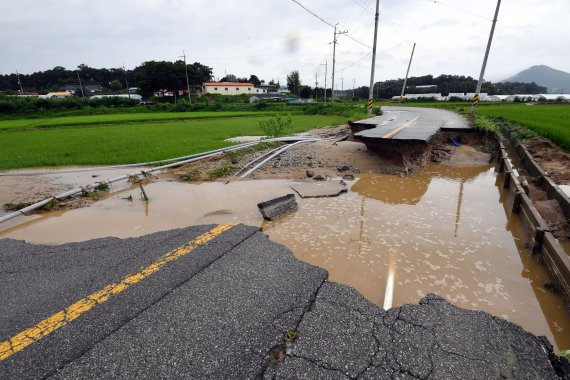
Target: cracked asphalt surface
point(223, 311)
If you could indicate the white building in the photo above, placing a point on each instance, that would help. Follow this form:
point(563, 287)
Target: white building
point(231, 88)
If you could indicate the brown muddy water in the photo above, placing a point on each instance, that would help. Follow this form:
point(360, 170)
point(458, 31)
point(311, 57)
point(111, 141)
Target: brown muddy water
point(443, 230)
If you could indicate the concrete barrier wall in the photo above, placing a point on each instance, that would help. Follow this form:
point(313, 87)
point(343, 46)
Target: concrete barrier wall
point(543, 180)
point(543, 243)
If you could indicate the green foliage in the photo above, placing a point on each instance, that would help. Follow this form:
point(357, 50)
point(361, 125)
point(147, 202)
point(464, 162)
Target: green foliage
point(101, 141)
point(116, 85)
point(277, 126)
point(16, 206)
point(565, 354)
point(550, 121)
point(222, 171)
point(486, 124)
point(25, 105)
point(294, 82)
point(351, 112)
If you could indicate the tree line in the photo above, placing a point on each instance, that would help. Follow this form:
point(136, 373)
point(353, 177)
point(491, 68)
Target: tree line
point(444, 84)
point(150, 76)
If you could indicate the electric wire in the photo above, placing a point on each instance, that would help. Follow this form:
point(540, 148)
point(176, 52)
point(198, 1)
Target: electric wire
point(313, 13)
point(355, 62)
point(459, 9)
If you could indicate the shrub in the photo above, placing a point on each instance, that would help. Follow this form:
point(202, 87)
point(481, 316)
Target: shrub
point(276, 126)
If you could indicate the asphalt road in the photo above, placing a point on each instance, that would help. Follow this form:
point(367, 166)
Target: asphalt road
point(216, 302)
point(410, 124)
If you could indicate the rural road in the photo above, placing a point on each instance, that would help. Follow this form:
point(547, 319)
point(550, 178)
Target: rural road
point(408, 124)
point(224, 302)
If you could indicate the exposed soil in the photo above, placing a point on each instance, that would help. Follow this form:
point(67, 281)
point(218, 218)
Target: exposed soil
point(555, 161)
point(550, 211)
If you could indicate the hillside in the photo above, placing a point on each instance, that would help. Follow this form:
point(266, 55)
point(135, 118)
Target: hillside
point(557, 81)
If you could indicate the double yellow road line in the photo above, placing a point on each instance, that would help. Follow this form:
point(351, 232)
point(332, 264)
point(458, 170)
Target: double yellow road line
point(33, 334)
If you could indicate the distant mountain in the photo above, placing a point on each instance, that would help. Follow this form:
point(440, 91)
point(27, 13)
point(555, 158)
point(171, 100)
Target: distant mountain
point(557, 81)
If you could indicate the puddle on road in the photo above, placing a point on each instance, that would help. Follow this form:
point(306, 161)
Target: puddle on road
point(443, 230)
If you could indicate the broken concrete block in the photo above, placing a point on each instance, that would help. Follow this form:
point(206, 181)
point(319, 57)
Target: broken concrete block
point(278, 207)
point(320, 189)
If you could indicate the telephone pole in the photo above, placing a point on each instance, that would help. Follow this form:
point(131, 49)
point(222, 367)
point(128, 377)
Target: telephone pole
point(353, 84)
point(480, 83)
point(126, 81)
point(316, 84)
point(334, 55)
point(19, 82)
point(326, 66)
point(187, 82)
point(407, 72)
point(80, 86)
point(371, 88)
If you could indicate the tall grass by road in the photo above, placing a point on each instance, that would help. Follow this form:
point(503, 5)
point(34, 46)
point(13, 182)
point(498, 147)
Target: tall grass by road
point(122, 143)
point(550, 121)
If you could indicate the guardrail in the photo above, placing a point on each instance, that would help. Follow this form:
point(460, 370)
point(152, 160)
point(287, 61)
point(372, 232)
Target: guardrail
point(543, 243)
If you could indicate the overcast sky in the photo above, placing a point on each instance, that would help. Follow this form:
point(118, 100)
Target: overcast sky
point(270, 38)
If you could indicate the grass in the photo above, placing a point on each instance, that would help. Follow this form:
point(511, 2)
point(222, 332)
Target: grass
point(74, 121)
point(550, 121)
point(132, 142)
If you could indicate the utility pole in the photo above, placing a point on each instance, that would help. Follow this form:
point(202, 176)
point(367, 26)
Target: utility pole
point(407, 72)
point(371, 88)
point(334, 55)
point(353, 85)
point(126, 81)
point(342, 84)
point(316, 84)
point(326, 66)
point(480, 83)
point(187, 82)
point(19, 82)
point(80, 86)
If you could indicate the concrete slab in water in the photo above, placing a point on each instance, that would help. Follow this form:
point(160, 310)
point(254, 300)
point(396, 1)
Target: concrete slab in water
point(320, 189)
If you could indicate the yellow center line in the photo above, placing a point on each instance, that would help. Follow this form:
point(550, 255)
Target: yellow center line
point(33, 334)
point(402, 127)
point(394, 132)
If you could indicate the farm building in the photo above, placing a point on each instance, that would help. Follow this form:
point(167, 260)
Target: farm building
point(231, 88)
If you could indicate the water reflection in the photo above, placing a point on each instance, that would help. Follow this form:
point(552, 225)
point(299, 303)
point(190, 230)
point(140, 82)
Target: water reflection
point(444, 230)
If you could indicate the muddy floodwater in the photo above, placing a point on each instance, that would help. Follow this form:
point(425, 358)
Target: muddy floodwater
point(443, 230)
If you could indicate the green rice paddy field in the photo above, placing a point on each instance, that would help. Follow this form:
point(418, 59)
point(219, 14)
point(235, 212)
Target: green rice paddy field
point(550, 121)
point(120, 139)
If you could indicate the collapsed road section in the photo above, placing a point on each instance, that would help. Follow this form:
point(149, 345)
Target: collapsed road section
point(401, 134)
point(225, 302)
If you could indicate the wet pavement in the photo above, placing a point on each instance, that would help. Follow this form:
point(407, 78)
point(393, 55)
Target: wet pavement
point(231, 304)
point(409, 124)
point(443, 230)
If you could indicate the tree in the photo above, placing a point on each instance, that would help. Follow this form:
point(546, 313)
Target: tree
point(306, 92)
point(253, 79)
point(155, 75)
point(294, 82)
point(116, 85)
point(229, 78)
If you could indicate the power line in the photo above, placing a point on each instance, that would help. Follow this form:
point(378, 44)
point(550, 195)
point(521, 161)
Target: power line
point(459, 9)
point(355, 40)
point(329, 24)
point(355, 62)
point(313, 13)
point(363, 6)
